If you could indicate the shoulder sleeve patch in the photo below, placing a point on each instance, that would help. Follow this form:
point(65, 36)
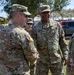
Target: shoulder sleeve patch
point(29, 38)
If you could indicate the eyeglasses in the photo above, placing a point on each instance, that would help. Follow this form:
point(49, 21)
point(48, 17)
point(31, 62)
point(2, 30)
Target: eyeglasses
point(27, 16)
point(29, 24)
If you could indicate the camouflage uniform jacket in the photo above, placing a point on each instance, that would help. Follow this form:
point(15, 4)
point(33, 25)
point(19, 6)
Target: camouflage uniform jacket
point(71, 52)
point(16, 47)
point(48, 38)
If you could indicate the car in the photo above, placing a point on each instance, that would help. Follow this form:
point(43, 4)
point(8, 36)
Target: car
point(62, 22)
point(68, 27)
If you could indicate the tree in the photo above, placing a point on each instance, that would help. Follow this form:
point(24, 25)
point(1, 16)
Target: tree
point(33, 5)
point(58, 5)
point(8, 6)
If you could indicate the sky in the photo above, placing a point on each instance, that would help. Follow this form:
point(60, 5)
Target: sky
point(71, 5)
point(4, 14)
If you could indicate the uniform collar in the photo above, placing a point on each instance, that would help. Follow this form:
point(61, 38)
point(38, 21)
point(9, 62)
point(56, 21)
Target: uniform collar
point(50, 24)
point(45, 25)
point(14, 25)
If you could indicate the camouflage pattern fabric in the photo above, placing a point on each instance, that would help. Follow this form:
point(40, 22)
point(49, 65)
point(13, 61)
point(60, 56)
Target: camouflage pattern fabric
point(43, 66)
point(47, 39)
point(70, 65)
point(16, 51)
point(32, 66)
point(33, 69)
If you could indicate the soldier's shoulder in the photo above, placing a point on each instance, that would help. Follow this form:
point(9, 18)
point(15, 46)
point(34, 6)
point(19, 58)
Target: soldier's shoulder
point(26, 35)
point(20, 31)
point(37, 26)
point(59, 24)
point(55, 23)
point(23, 34)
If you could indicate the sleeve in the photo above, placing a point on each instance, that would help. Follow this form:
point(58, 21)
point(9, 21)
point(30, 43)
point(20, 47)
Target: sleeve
point(34, 35)
point(71, 50)
point(62, 42)
point(30, 50)
point(71, 45)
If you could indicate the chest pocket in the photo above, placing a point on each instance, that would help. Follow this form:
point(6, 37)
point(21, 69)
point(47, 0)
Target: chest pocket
point(53, 38)
point(41, 34)
point(53, 33)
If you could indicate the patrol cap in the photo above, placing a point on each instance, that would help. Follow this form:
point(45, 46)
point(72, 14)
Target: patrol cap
point(44, 8)
point(21, 8)
point(30, 20)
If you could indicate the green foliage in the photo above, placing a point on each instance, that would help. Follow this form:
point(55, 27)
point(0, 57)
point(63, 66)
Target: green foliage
point(33, 5)
point(8, 6)
point(59, 4)
point(3, 20)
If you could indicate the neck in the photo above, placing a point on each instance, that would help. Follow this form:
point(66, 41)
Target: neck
point(28, 30)
point(18, 24)
point(45, 21)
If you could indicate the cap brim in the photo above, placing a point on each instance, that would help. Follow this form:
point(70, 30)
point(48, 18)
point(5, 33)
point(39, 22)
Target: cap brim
point(27, 13)
point(45, 10)
point(30, 22)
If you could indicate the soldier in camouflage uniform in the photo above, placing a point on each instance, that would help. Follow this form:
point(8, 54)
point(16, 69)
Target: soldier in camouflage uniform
point(48, 36)
point(70, 64)
point(28, 27)
point(16, 45)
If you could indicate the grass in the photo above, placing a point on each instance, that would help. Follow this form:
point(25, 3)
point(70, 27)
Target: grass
point(64, 67)
point(67, 41)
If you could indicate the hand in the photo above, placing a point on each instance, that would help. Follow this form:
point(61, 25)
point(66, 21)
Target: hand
point(38, 56)
point(35, 60)
point(64, 61)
